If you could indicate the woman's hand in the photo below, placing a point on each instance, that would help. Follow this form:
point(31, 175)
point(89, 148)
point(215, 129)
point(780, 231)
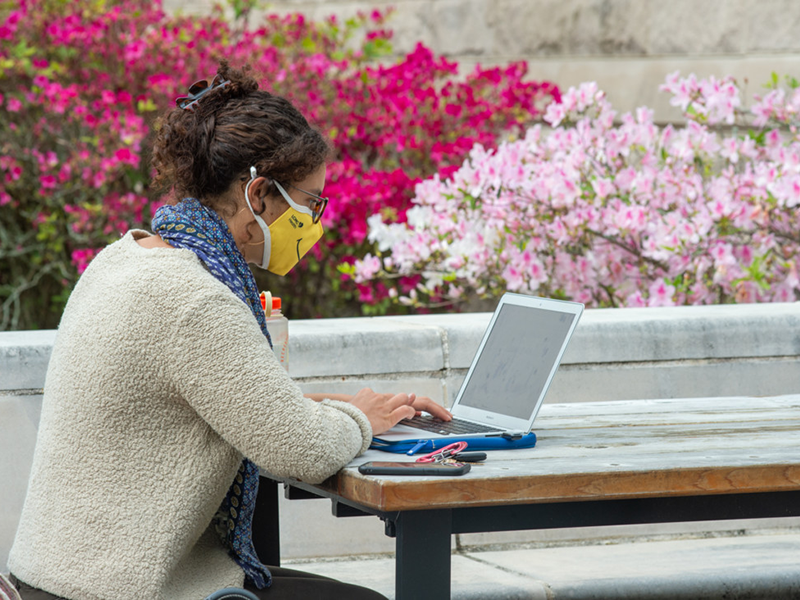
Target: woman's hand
point(388, 408)
point(384, 411)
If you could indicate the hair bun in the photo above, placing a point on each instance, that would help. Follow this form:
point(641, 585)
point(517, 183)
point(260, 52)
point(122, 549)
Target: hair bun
point(227, 84)
point(241, 83)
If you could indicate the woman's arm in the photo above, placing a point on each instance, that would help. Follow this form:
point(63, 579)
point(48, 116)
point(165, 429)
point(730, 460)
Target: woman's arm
point(218, 361)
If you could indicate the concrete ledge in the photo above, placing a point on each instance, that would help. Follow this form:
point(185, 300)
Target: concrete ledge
point(23, 358)
point(610, 335)
point(19, 422)
point(363, 346)
point(647, 352)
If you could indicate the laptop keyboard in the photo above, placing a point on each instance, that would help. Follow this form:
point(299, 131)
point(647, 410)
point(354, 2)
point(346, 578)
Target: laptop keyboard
point(454, 427)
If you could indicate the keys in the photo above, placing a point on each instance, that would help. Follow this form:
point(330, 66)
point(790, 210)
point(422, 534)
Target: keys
point(470, 457)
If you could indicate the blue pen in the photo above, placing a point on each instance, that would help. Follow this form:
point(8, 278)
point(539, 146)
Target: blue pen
point(419, 445)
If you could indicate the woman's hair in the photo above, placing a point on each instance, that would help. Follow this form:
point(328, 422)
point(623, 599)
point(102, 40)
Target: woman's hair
point(200, 153)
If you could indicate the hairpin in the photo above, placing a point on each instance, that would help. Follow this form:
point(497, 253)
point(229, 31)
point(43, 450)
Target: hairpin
point(197, 90)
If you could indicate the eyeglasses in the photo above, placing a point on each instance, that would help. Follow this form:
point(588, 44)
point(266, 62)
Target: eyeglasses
point(197, 90)
point(317, 203)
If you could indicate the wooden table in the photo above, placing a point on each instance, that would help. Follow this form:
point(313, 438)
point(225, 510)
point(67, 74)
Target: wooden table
point(603, 463)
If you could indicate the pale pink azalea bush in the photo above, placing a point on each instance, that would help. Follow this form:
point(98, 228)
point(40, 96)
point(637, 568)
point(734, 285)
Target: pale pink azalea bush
point(612, 210)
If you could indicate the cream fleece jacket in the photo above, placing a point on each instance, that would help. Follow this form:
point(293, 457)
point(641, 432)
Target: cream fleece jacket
point(160, 381)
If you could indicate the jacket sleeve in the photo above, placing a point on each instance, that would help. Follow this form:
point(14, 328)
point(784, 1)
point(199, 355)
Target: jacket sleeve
point(221, 364)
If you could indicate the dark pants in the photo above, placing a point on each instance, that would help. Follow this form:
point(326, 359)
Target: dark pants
point(287, 584)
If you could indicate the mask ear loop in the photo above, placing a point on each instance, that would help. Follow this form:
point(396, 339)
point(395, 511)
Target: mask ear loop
point(264, 228)
point(298, 207)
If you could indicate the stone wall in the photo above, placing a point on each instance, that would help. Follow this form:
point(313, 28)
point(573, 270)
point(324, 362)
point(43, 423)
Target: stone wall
point(627, 46)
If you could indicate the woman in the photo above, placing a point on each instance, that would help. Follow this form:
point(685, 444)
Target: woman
point(162, 380)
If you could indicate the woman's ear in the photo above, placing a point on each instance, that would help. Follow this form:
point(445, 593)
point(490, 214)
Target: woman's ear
point(258, 194)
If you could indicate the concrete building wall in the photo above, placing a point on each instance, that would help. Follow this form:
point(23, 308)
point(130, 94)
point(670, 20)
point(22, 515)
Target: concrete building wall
point(627, 46)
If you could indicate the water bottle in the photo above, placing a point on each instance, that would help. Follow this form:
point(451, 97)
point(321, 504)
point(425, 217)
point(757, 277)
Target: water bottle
point(278, 327)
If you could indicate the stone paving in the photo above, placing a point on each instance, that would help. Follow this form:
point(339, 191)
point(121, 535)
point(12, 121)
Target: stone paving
point(736, 567)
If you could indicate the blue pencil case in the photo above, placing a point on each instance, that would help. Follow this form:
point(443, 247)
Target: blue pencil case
point(429, 445)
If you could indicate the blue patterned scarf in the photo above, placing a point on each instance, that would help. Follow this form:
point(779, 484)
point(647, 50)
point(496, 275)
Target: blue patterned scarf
point(195, 227)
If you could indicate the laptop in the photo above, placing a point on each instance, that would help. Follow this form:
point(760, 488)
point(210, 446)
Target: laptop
point(509, 375)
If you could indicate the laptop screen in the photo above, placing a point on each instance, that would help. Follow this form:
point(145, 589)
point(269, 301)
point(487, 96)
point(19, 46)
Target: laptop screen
point(516, 360)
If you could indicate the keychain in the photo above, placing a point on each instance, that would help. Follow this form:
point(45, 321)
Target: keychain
point(443, 453)
point(452, 454)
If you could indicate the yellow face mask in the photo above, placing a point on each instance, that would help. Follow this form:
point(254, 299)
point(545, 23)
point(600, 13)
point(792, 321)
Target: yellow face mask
point(289, 237)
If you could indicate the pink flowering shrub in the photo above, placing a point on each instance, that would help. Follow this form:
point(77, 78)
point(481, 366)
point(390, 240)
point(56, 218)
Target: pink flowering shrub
point(82, 81)
point(612, 210)
point(392, 126)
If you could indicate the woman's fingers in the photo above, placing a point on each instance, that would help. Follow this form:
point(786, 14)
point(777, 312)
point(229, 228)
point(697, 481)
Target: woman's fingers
point(400, 413)
point(423, 403)
point(401, 400)
point(434, 408)
point(384, 411)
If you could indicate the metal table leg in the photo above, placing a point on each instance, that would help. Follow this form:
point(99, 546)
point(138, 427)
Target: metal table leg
point(266, 523)
point(422, 568)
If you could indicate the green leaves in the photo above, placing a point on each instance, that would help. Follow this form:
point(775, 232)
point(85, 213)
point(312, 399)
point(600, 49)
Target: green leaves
point(757, 272)
point(377, 48)
point(346, 269)
point(759, 137)
point(242, 8)
point(146, 105)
